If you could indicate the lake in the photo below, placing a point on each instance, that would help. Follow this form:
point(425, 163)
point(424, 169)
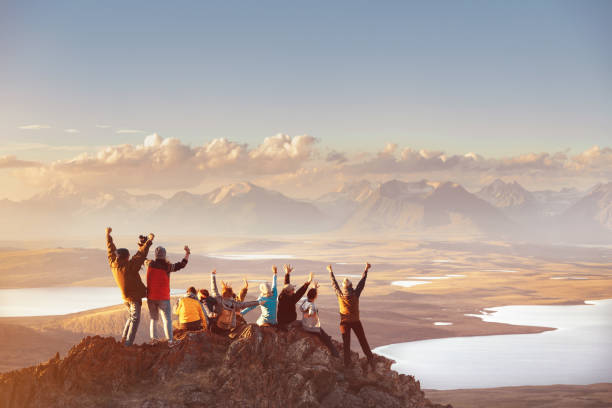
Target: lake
point(59, 300)
point(579, 351)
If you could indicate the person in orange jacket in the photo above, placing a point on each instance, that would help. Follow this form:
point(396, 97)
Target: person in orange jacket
point(189, 310)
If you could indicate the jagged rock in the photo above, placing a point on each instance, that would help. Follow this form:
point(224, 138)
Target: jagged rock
point(262, 367)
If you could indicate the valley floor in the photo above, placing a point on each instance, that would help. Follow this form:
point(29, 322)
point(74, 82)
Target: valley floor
point(475, 276)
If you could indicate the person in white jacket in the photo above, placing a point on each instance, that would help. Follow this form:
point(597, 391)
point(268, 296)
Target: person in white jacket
point(311, 322)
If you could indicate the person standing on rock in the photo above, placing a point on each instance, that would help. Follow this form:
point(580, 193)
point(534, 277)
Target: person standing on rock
point(158, 290)
point(127, 276)
point(227, 306)
point(189, 310)
point(288, 299)
point(311, 322)
point(348, 300)
point(268, 302)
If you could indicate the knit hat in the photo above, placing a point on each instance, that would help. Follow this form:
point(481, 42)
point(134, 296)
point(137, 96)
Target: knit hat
point(160, 252)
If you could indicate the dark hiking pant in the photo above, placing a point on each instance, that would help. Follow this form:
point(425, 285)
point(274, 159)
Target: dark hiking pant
point(191, 326)
point(345, 329)
point(326, 339)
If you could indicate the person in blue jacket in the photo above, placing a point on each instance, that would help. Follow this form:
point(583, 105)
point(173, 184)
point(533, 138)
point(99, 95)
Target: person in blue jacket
point(267, 300)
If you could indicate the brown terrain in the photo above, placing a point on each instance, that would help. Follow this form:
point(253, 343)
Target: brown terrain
point(492, 274)
point(261, 368)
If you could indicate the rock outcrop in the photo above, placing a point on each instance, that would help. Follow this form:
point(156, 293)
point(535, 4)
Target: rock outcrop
point(262, 367)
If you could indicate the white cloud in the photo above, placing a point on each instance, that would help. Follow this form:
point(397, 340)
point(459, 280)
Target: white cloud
point(130, 131)
point(72, 131)
point(293, 164)
point(103, 126)
point(168, 163)
point(34, 127)
point(8, 162)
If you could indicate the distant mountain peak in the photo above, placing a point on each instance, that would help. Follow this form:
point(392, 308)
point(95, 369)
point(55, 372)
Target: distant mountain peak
point(506, 194)
point(231, 190)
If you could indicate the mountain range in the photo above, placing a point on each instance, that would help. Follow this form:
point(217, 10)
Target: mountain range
point(499, 210)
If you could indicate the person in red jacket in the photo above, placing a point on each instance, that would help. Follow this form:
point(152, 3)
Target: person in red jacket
point(158, 289)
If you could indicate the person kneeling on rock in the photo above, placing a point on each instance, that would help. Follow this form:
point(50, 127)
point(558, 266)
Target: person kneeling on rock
point(189, 310)
point(311, 322)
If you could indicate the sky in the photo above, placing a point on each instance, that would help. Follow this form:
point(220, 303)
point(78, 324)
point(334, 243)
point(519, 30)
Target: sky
point(302, 97)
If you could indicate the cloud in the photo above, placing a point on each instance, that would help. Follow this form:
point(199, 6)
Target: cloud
point(34, 127)
point(72, 131)
point(8, 162)
point(336, 157)
point(164, 163)
point(130, 131)
point(295, 164)
point(103, 126)
point(539, 169)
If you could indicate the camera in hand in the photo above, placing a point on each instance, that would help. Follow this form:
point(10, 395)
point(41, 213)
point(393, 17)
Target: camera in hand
point(142, 239)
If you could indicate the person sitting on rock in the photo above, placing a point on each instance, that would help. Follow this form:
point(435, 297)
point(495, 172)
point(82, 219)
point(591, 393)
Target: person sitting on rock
point(267, 301)
point(158, 290)
point(208, 305)
point(189, 310)
point(288, 299)
point(311, 322)
point(227, 306)
point(127, 276)
point(348, 300)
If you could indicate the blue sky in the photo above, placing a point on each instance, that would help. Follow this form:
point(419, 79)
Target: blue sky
point(499, 78)
point(493, 77)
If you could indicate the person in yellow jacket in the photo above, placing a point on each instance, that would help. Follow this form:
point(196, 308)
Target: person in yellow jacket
point(189, 310)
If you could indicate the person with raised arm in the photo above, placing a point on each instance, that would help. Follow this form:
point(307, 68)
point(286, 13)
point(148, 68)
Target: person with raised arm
point(348, 300)
point(288, 299)
point(227, 306)
point(267, 300)
point(158, 290)
point(127, 276)
point(311, 322)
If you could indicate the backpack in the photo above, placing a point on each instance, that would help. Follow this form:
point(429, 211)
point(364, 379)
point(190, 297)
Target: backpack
point(226, 317)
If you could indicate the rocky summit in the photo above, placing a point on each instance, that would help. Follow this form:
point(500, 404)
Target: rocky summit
point(262, 367)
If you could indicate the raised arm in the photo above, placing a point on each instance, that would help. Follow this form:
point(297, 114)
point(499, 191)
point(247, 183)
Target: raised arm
point(110, 246)
point(300, 292)
point(333, 281)
point(141, 255)
point(288, 270)
point(274, 289)
point(213, 283)
point(181, 264)
point(244, 290)
point(362, 282)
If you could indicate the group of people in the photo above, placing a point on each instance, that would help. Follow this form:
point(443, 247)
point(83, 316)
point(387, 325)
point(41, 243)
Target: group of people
point(222, 312)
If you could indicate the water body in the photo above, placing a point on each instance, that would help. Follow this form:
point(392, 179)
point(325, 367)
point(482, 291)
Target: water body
point(250, 257)
point(59, 300)
point(579, 351)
